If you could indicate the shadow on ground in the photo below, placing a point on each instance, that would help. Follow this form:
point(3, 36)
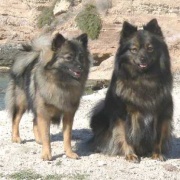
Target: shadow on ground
point(174, 152)
point(83, 148)
point(81, 136)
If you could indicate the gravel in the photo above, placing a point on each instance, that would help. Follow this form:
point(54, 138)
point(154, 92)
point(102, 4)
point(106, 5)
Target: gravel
point(23, 160)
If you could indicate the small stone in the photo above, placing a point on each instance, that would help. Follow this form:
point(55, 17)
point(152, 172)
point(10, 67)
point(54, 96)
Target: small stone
point(64, 156)
point(34, 152)
point(170, 167)
point(101, 163)
point(91, 156)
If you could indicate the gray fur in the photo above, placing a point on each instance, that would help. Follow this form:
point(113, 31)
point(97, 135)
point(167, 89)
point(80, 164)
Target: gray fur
point(32, 81)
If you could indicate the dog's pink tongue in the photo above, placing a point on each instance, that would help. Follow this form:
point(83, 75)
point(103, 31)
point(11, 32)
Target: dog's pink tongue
point(143, 65)
point(78, 74)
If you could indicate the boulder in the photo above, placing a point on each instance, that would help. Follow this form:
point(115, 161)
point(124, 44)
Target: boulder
point(61, 6)
point(103, 71)
point(8, 53)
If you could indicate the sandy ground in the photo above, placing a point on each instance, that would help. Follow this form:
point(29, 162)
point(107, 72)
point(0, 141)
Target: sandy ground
point(19, 158)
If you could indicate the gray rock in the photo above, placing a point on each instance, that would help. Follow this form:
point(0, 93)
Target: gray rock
point(8, 53)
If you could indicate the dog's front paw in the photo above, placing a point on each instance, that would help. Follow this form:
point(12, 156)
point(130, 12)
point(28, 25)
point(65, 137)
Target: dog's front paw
point(159, 157)
point(72, 155)
point(38, 141)
point(46, 156)
point(17, 140)
point(132, 158)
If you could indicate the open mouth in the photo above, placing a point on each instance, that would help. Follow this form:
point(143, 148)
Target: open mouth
point(76, 74)
point(143, 66)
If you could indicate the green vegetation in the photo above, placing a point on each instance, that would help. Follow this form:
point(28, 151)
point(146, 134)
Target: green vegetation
point(70, 177)
point(31, 175)
point(46, 17)
point(80, 177)
point(89, 21)
point(25, 174)
point(53, 177)
point(58, 163)
point(71, 1)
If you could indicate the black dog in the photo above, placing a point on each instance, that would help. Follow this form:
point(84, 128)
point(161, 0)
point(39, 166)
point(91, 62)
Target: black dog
point(135, 119)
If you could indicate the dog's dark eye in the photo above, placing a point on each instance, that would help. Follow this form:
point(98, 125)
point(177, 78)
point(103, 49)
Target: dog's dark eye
point(150, 48)
point(68, 57)
point(134, 50)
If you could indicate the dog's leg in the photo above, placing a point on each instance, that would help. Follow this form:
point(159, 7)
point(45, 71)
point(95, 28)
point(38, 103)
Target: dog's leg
point(44, 132)
point(163, 134)
point(67, 132)
point(15, 125)
point(129, 153)
point(126, 148)
point(36, 132)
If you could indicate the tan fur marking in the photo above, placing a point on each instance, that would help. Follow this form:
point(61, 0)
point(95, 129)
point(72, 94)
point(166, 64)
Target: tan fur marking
point(165, 134)
point(126, 149)
point(36, 132)
point(67, 132)
point(44, 130)
point(15, 129)
point(46, 55)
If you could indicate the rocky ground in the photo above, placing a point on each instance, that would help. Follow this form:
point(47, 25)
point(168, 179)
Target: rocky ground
point(22, 161)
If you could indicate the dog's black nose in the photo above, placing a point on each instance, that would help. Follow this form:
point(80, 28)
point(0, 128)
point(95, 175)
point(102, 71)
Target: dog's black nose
point(142, 58)
point(79, 67)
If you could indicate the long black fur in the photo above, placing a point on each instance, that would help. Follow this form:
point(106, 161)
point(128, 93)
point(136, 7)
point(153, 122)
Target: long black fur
point(138, 105)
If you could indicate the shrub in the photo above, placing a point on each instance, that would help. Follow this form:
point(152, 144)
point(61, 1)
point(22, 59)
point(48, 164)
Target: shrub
point(89, 21)
point(46, 17)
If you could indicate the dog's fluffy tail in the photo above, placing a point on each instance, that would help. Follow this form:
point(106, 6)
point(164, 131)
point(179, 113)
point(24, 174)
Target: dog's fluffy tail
point(106, 136)
point(23, 60)
point(100, 125)
point(10, 98)
point(98, 117)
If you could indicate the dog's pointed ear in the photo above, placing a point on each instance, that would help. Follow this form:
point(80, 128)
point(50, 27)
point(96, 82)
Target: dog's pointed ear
point(57, 41)
point(127, 30)
point(83, 38)
point(153, 27)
